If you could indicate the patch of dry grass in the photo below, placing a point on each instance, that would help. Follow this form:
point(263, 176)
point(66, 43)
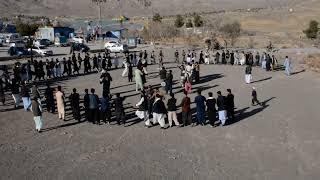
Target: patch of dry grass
point(312, 62)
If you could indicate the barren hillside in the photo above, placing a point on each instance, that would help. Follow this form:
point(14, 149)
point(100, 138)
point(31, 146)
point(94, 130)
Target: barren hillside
point(84, 8)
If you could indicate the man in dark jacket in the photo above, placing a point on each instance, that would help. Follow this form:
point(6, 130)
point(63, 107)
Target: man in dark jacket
point(159, 111)
point(248, 74)
point(37, 114)
point(163, 74)
point(221, 108)
point(172, 108)
point(75, 104)
point(86, 104)
point(201, 108)
point(169, 81)
point(49, 99)
point(94, 107)
point(186, 110)
point(230, 105)
point(211, 109)
point(106, 79)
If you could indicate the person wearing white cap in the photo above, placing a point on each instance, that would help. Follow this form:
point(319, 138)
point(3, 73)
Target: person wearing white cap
point(254, 96)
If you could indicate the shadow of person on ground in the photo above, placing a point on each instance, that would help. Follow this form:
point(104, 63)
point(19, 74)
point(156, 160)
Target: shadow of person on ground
point(242, 114)
point(62, 126)
point(265, 79)
point(298, 72)
point(208, 78)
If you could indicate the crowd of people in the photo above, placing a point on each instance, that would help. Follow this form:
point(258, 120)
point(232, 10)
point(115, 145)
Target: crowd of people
point(151, 107)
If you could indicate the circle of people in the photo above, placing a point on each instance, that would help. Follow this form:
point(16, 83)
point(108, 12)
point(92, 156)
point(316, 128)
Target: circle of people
point(150, 107)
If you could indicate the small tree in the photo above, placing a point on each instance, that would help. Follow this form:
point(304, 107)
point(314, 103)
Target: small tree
point(231, 31)
point(312, 31)
point(197, 20)
point(189, 24)
point(179, 22)
point(26, 29)
point(157, 17)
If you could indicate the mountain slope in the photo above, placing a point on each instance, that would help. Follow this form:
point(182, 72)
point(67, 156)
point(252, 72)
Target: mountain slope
point(85, 8)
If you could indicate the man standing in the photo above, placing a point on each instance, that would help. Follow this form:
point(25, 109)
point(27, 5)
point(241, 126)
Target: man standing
point(254, 97)
point(25, 96)
point(159, 111)
point(169, 82)
point(94, 108)
point(105, 109)
point(201, 108)
point(138, 78)
point(37, 114)
point(86, 104)
point(49, 99)
point(287, 65)
point(105, 79)
point(176, 55)
point(172, 108)
point(221, 108)
point(142, 112)
point(186, 110)
point(230, 105)
point(119, 109)
point(211, 109)
point(75, 102)
point(163, 74)
point(197, 72)
point(248, 75)
point(60, 103)
point(15, 88)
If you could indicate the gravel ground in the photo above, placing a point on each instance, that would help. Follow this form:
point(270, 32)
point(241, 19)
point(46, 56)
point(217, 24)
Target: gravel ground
point(277, 141)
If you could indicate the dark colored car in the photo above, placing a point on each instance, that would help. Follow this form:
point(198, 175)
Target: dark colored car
point(80, 47)
point(18, 51)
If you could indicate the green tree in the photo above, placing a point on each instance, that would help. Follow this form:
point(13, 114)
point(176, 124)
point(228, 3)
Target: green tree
point(197, 20)
point(157, 18)
point(26, 29)
point(179, 22)
point(189, 24)
point(312, 31)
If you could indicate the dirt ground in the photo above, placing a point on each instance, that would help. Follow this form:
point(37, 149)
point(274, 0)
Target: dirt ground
point(280, 140)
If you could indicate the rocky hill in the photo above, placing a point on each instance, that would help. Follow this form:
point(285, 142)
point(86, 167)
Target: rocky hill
point(85, 8)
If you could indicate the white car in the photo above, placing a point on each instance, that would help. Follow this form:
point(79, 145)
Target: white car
point(77, 39)
point(42, 51)
point(113, 46)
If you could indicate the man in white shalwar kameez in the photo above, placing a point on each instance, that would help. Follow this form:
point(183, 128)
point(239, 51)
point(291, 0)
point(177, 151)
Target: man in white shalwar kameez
point(236, 58)
point(242, 59)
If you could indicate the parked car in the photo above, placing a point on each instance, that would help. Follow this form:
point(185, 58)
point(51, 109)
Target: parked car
point(42, 42)
point(80, 47)
point(12, 37)
point(116, 47)
point(42, 51)
point(78, 39)
point(18, 43)
point(18, 51)
point(110, 44)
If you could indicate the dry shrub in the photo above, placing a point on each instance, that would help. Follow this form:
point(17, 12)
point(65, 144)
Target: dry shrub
point(313, 62)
